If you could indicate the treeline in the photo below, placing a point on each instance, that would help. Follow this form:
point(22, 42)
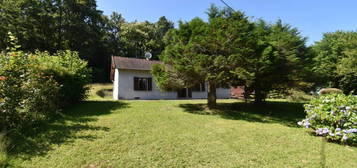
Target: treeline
point(52, 25)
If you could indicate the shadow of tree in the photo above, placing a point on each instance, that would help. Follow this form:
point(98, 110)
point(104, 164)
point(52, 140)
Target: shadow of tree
point(40, 139)
point(287, 113)
point(104, 93)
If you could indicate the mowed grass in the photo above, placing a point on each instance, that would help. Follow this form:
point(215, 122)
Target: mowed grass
point(177, 133)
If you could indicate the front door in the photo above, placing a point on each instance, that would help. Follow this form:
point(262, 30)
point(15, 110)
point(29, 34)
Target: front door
point(184, 93)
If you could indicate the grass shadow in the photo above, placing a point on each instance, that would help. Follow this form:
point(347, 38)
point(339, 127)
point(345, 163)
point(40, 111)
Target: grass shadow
point(40, 139)
point(104, 93)
point(286, 113)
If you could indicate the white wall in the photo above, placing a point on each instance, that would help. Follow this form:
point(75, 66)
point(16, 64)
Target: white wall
point(116, 85)
point(223, 93)
point(126, 88)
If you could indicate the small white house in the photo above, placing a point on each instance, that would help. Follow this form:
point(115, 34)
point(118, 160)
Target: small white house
point(132, 79)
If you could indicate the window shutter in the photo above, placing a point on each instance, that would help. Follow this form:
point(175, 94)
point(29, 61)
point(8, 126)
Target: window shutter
point(136, 83)
point(150, 84)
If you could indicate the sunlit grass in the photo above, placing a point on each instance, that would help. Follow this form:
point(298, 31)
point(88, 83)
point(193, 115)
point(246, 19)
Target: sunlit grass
point(181, 133)
point(101, 92)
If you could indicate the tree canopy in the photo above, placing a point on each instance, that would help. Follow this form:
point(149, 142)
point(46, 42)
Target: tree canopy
point(231, 50)
point(335, 61)
point(77, 25)
point(200, 51)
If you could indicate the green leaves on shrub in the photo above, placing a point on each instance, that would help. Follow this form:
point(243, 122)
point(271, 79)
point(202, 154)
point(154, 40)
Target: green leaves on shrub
point(25, 93)
point(33, 87)
point(333, 116)
point(70, 72)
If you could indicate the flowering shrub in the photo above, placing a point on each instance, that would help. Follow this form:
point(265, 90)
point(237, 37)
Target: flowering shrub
point(333, 116)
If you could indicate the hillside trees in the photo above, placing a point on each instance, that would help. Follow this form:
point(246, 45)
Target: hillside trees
point(136, 38)
point(77, 25)
point(52, 25)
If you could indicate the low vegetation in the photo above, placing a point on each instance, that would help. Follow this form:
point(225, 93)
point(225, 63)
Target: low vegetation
point(36, 86)
point(334, 117)
point(176, 133)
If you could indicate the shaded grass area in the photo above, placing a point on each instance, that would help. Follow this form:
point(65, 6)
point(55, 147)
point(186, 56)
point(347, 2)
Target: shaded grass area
point(176, 133)
point(41, 138)
point(287, 113)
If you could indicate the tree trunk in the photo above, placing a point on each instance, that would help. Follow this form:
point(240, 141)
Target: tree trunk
point(258, 96)
point(212, 97)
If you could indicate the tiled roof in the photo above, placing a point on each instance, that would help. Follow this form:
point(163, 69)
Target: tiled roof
point(133, 63)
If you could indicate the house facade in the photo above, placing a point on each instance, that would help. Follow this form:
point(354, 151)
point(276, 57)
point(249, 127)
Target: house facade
point(132, 79)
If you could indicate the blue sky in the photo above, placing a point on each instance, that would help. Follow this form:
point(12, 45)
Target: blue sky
point(311, 17)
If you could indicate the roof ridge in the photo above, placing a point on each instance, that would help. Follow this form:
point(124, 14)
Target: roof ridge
point(136, 58)
point(133, 63)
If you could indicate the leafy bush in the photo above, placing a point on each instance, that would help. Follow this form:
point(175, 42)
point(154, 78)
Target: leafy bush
point(330, 91)
point(70, 72)
point(26, 94)
point(333, 116)
point(34, 86)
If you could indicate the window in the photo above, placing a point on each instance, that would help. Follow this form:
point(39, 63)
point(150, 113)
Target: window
point(143, 84)
point(199, 87)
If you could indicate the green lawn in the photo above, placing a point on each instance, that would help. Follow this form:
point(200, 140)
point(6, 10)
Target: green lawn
point(104, 133)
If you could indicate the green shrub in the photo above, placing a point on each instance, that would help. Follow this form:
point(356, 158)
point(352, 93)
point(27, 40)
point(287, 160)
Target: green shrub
point(70, 72)
point(26, 94)
point(333, 116)
point(330, 91)
point(33, 87)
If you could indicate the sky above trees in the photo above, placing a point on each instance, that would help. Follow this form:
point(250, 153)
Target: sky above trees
point(312, 18)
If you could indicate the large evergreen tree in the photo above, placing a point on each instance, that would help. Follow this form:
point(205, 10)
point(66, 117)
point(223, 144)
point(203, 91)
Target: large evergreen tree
point(277, 61)
point(200, 51)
